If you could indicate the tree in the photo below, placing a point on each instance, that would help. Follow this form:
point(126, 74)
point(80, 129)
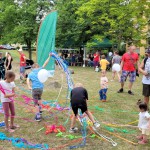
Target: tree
point(115, 19)
point(68, 31)
point(87, 20)
point(20, 20)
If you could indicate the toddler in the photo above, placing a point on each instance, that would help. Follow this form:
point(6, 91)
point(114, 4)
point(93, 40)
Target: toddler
point(144, 123)
point(104, 86)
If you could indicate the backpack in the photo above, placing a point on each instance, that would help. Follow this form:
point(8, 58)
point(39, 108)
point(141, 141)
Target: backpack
point(145, 59)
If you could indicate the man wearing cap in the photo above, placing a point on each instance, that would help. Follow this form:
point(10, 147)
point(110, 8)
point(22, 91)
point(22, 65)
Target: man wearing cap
point(22, 63)
point(145, 70)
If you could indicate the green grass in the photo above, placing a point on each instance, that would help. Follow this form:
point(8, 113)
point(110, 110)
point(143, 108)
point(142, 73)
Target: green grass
point(111, 114)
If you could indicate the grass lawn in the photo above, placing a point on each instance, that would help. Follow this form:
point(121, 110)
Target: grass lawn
point(119, 109)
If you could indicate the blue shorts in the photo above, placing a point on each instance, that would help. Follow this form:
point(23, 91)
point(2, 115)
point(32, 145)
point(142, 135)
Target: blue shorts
point(22, 69)
point(125, 74)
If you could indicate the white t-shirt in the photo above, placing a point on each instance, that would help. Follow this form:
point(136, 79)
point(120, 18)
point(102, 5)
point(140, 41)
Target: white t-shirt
point(104, 82)
point(146, 79)
point(7, 89)
point(144, 120)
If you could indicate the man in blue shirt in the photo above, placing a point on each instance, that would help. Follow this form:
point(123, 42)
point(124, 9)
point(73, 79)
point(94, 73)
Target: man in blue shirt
point(37, 87)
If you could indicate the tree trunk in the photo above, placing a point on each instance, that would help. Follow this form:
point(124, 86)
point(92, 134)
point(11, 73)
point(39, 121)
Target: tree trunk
point(30, 50)
point(28, 42)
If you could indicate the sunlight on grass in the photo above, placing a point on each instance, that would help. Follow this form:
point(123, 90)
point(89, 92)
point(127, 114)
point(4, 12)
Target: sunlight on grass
point(118, 110)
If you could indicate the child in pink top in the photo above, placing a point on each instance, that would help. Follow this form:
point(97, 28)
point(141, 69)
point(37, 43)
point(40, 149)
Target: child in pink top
point(104, 87)
point(7, 96)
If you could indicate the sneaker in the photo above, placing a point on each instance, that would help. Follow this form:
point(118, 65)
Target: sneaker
point(96, 124)
point(130, 92)
point(38, 117)
point(10, 130)
point(140, 137)
point(121, 90)
point(103, 100)
point(41, 112)
point(73, 130)
point(14, 127)
point(143, 142)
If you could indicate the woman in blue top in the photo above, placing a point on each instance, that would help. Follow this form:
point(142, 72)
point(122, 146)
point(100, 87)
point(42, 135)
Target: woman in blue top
point(37, 87)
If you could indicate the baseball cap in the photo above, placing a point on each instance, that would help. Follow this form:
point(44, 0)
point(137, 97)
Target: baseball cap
point(148, 50)
point(20, 50)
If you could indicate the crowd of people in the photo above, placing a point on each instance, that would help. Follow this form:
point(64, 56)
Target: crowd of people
point(129, 67)
point(91, 60)
point(72, 59)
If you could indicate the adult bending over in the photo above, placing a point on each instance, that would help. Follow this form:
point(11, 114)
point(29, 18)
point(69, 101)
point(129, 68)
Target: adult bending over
point(128, 67)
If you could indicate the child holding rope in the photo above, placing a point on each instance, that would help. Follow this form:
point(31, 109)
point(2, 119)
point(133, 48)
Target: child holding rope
point(104, 86)
point(144, 123)
point(7, 93)
point(79, 97)
point(37, 87)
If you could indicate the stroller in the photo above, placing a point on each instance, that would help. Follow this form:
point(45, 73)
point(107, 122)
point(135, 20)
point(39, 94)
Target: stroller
point(29, 63)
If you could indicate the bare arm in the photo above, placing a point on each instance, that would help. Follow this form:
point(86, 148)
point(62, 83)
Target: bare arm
point(112, 61)
point(28, 84)
point(13, 89)
point(9, 60)
point(138, 65)
point(108, 63)
point(121, 65)
point(10, 95)
point(141, 66)
point(25, 57)
point(46, 62)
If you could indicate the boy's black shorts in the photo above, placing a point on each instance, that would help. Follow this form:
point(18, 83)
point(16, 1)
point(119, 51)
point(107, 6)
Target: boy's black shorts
point(146, 90)
point(76, 107)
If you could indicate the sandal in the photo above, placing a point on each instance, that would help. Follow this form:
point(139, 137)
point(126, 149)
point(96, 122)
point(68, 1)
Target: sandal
point(143, 142)
point(9, 130)
point(140, 137)
point(14, 127)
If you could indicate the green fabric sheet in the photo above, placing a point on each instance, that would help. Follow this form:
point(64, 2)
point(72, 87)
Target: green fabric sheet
point(46, 40)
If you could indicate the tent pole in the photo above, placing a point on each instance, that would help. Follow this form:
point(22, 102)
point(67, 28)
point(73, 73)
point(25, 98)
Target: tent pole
point(84, 56)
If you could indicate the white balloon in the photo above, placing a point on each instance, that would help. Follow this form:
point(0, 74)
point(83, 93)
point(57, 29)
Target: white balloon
point(116, 67)
point(43, 75)
point(110, 53)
